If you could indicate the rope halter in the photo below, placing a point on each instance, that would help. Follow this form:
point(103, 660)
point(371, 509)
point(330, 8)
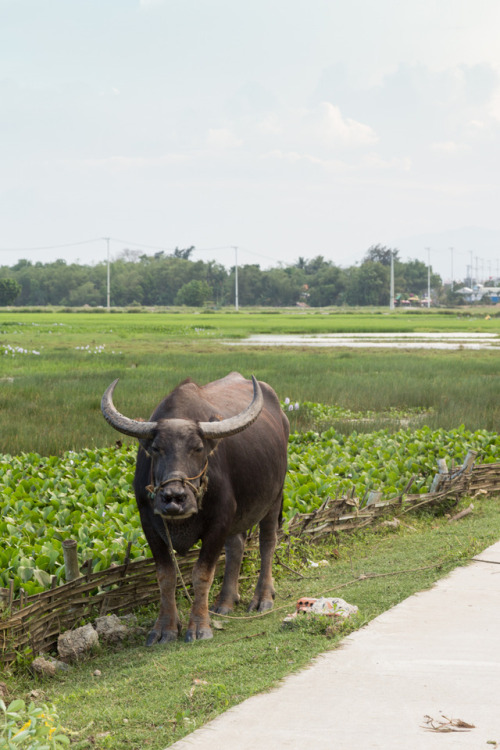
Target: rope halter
point(198, 491)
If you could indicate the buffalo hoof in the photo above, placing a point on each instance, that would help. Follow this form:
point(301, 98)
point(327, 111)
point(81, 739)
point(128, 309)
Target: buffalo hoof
point(166, 637)
point(221, 609)
point(200, 634)
point(260, 606)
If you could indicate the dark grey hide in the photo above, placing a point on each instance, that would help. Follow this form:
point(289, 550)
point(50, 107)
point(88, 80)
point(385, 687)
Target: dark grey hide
point(211, 464)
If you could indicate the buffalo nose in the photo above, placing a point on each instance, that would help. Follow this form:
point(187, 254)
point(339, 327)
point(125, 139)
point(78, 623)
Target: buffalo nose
point(174, 492)
point(171, 500)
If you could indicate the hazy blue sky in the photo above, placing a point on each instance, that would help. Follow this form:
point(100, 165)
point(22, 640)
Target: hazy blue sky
point(287, 128)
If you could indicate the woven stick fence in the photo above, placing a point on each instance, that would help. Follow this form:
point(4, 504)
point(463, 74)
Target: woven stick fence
point(35, 622)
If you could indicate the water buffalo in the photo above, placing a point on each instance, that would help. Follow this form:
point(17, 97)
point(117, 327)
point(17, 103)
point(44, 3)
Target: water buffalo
point(211, 464)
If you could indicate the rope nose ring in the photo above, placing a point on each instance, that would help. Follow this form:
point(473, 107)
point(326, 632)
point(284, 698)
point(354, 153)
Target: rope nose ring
point(198, 491)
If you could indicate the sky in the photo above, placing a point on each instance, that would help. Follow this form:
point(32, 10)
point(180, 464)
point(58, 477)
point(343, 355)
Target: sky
point(282, 128)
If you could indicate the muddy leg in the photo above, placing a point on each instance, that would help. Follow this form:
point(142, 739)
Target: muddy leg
point(229, 595)
point(263, 597)
point(199, 620)
point(167, 627)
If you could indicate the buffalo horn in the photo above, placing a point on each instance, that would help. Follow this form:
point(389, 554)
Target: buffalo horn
point(239, 422)
point(123, 424)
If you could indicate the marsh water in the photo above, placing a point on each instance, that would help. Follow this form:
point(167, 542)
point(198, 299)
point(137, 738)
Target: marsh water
point(377, 340)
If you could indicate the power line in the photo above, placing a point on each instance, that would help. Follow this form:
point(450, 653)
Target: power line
point(47, 247)
point(171, 249)
point(128, 242)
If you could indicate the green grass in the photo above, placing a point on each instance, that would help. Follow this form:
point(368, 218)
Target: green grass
point(146, 698)
point(180, 321)
point(50, 402)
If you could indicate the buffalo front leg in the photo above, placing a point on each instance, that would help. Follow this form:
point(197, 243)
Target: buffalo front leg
point(199, 620)
point(229, 596)
point(263, 598)
point(167, 626)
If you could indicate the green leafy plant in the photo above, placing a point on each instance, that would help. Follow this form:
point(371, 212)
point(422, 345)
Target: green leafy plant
point(30, 727)
point(88, 496)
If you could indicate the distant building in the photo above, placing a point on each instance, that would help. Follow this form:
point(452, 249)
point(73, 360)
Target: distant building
point(479, 291)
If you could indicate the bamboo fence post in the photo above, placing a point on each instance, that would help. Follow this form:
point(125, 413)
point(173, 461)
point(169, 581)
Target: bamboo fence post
point(441, 476)
point(469, 461)
point(70, 554)
point(373, 497)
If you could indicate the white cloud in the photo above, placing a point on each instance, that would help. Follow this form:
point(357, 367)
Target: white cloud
point(293, 157)
point(373, 161)
point(270, 125)
point(338, 131)
point(447, 147)
point(116, 163)
point(223, 139)
point(314, 134)
point(366, 162)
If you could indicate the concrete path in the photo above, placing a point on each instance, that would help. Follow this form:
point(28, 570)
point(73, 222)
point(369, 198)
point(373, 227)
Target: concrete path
point(437, 653)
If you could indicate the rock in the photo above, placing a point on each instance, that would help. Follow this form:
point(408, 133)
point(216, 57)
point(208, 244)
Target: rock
point(129, 620)
point(394, 524)
point(48, 666)
point(111, 629)
point(74, 644)
point(39, 695)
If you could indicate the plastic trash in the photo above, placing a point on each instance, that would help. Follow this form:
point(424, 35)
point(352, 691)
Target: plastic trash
point(331, 606)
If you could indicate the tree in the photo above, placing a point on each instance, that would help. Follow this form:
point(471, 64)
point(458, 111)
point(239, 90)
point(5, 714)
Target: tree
point(368, 285)
point(194, 294)
point(315, 265)
point(415, 274)
point(184, 253)
point(327, 288)
point(9, 290)
point(278, 288)
point(130, 256)
point(85, 294)
point(380, 254)
point(250, 285)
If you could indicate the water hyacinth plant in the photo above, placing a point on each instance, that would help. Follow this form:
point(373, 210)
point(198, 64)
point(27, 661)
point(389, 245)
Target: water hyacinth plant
point(288, 406)
point(88, 495)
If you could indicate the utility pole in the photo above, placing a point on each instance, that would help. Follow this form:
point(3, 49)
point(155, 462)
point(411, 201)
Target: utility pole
point(451, 250)
point(108, 286)
point(391, 301)
point(428, 276)
point(236, 305)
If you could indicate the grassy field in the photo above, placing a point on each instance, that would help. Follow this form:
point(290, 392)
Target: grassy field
point(55, 367)
point(53, 371)
point(148, 698)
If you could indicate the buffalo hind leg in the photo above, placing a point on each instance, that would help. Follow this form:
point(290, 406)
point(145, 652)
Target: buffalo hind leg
point(167, 626)
point(263, 598)
point(229, 596)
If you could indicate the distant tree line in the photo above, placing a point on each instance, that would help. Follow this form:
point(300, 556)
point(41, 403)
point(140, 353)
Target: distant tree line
point(175, 279)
